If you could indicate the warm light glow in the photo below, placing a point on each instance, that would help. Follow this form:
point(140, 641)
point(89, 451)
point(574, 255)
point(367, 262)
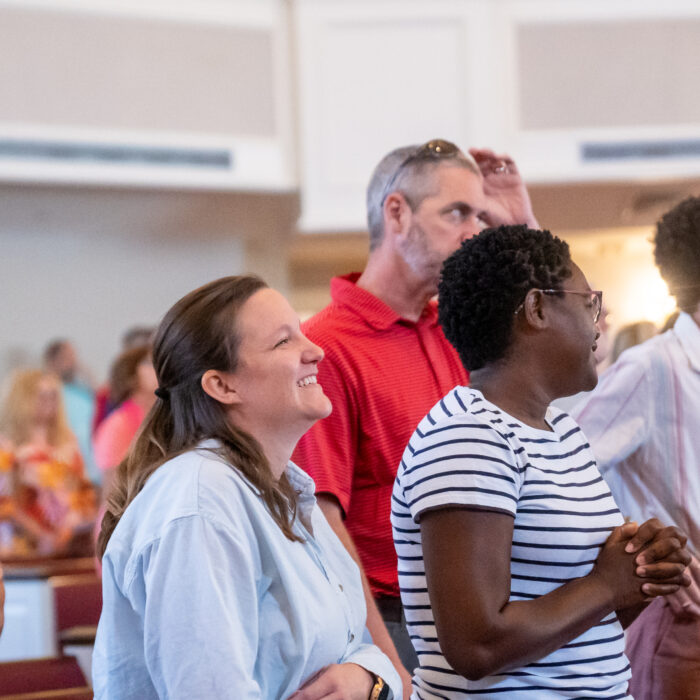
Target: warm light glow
point(621, 263)
point(646, 298)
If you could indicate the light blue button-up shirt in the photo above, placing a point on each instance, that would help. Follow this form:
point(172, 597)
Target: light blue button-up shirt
point(204, 597)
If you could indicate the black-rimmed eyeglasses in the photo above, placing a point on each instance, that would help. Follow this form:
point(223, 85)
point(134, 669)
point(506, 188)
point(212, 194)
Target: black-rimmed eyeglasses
point(431, 150)
point(595, 299)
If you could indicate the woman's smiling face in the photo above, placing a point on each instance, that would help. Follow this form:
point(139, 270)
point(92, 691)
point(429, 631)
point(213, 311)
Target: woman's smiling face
point(276, 375)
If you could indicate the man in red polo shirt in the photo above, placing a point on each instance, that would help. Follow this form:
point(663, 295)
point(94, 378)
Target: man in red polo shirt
point(387, 361)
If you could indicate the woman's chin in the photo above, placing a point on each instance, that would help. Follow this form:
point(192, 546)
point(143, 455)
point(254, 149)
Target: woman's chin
point(591, 381)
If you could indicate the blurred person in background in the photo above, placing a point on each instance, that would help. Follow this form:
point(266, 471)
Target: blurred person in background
point(61, 358)
point(132, 382)
point(2, 600)
point(48, 505)
point(133, 337)
point(670, 321)
point(136, 336)
point(643, 423)
point(387, 360)
point(630, 335)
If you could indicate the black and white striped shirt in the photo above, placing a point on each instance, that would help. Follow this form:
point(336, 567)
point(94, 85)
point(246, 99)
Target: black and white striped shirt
point(466, 451)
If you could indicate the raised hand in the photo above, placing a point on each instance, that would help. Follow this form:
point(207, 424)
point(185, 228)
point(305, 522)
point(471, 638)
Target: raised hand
point(507, 199)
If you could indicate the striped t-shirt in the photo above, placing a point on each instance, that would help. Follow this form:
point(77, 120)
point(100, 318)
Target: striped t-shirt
point(466, 451)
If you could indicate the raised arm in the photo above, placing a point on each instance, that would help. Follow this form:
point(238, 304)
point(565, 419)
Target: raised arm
point(467, 562)
point(507, 198)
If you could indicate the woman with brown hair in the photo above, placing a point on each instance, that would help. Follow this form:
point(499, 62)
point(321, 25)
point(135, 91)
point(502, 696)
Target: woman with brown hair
point(132, 382)
point(221, 577)
point(47, 502)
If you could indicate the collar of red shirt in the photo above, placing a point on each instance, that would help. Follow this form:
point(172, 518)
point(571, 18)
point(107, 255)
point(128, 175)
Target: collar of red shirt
point(379, 315)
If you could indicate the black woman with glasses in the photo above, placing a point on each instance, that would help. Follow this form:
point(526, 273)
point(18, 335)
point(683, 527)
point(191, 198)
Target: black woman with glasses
point(387, 361)
point(517, 571)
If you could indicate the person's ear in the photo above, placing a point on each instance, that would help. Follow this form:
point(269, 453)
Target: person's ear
point(534, 311)
point(397, 214)
point(220, 386)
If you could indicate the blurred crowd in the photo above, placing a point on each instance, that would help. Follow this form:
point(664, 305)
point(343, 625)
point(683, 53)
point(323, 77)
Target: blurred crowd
point(61, 439)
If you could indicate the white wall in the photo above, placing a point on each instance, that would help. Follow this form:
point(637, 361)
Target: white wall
point(87, 264)
point(90, 288)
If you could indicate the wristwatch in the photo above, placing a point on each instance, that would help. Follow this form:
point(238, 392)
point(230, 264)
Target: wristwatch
point(380, 690)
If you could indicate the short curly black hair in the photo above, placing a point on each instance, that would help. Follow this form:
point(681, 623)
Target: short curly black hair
point(487, 278)
point(677, 252)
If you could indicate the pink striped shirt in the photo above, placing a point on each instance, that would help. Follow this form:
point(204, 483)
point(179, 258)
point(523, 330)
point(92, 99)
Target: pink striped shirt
point(643, 423)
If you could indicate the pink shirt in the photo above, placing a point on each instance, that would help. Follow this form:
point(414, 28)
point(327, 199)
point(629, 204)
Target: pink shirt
point(115, 434)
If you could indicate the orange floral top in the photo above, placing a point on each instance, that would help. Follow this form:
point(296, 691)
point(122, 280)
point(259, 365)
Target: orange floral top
point(45, 499)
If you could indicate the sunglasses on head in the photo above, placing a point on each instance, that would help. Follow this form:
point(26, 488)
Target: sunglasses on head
point(431, 150)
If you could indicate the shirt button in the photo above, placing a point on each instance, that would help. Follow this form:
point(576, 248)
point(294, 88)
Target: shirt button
point(340, 585)
point(351, 637)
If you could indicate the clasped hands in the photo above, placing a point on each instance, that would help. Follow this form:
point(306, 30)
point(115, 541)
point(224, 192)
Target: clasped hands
point(641, 562)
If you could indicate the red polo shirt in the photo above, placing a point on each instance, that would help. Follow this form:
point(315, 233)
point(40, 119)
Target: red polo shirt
point(382, 374)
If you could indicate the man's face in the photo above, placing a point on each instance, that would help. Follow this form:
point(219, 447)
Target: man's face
point(450, 215)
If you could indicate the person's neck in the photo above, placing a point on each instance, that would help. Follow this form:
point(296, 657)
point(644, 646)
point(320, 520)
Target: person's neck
point(515, 390)
point(394, 283)
point(278, 457)
point(696, 315)
point(276, 444)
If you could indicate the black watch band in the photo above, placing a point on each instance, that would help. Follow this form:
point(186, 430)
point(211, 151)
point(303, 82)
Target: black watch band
point(380, 690)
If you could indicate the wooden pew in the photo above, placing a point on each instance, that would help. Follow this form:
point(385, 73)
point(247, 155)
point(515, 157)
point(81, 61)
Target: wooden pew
point(39, 675)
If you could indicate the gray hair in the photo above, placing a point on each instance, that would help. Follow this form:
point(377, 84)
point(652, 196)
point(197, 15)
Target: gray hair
point(410, 182)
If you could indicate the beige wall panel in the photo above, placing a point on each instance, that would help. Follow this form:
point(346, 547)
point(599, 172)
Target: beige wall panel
point(66, 70)
point(610, 74)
